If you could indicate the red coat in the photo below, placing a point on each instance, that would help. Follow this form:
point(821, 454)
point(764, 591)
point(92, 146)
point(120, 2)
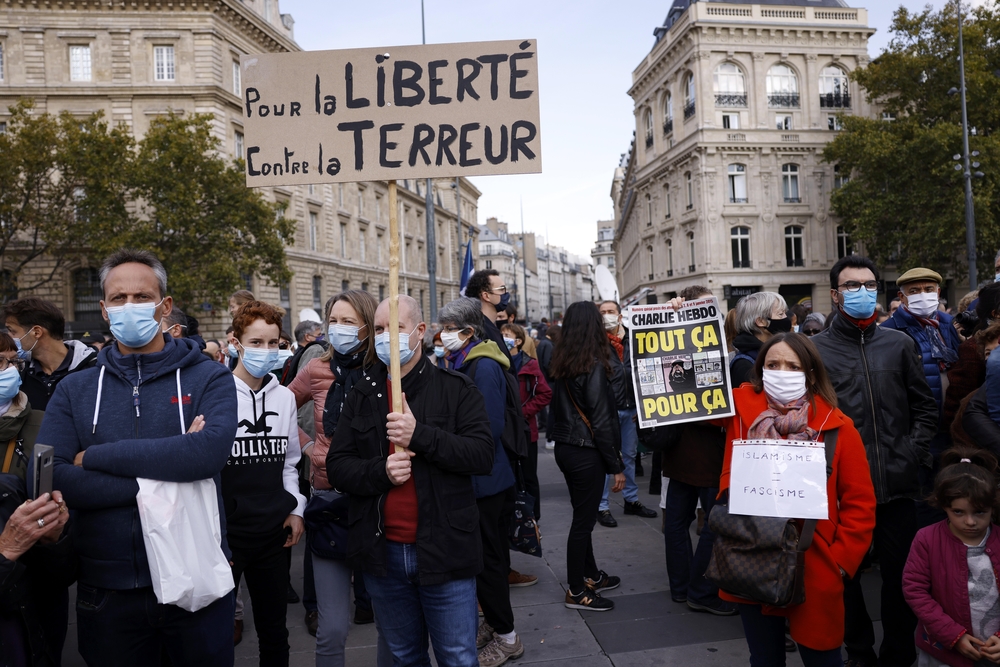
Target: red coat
point(840, 542)
point(535, 392)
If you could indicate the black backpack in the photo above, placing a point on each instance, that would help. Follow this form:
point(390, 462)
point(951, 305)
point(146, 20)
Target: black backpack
point(291, 367)
point(516, 432)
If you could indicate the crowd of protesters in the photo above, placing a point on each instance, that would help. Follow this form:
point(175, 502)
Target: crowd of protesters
point(409, 512)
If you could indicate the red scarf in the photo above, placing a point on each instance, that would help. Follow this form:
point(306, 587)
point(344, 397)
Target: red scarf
point(617, 344)
point(861, 324)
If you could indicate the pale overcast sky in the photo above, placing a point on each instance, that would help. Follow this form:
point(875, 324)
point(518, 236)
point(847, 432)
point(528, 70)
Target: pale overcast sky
point(587, 50)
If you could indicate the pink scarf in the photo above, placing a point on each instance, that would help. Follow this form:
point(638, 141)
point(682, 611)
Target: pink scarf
point(783, 422)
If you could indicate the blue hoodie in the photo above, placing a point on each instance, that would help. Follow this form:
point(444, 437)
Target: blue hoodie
point(135, 432)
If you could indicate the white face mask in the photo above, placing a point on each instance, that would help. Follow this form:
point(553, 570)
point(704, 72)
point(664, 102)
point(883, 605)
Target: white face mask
point(452, 341)
point(610, 321)
point(784, 387)
point(923, 304)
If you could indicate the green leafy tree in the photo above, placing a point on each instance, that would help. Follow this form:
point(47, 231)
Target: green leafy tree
point(905, 200)
point(193, 208)
point(58, 175)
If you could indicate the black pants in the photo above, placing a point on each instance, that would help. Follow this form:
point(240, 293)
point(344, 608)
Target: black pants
point(585, 475)
point(529, 468)
point(265, 566)
point(492, 588)
point(895, 528)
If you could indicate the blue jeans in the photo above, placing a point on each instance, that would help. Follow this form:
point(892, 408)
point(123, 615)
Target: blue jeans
point(129, 628)
point(408, 612)
point(766, 640)
point(686, 567)
point(630, 444)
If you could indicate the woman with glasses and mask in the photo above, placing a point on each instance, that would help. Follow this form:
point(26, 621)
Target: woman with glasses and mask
point(812, 324)
point(759, 317)
point(326, 381)
point(260, 485)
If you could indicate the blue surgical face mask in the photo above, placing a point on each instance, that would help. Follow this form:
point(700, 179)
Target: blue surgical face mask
point(344, 337)
point(439, 351)
point(861, 304)
point(383, 347)
point(233, 352)
point(283, 356)
point(10, 384)
point(133, 324)
point(21, 352)
point(259, 361)
point(511, 342)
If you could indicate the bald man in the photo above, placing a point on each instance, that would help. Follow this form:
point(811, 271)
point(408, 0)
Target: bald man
point(415, 535)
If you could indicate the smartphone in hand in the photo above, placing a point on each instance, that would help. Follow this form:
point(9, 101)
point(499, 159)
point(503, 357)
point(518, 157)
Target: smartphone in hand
point(41, 481)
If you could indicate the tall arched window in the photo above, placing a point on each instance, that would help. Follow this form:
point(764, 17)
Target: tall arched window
point(652, 260)
point(740, 237)
point(668, 113)
point(693, 264)
point(689, 105)
point(844, 245)
point(670, 258)
point(834, 92)
point(87, 295)
point(666, 201)
point(737, 184)
point(649, 210)
point(782, 88)
point(690, 190)
point(793, 246)
point(729, 86)
point(790, 183)
point(648, 120)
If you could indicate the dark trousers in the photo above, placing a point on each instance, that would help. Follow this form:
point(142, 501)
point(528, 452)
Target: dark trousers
point(766, 641)
point(529, 469)
point(362, 599)
point(308, 581)
point(492, 588)
point(265, 566)
point(895, 528)
point(686, 566)
point(129, 628)
point(585, 474)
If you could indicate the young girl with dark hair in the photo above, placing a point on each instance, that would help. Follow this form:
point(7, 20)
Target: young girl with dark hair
point(588, 444)
point(950, 576)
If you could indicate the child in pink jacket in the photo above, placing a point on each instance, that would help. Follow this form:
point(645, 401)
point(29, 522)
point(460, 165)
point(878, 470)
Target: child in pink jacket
point(950, 578)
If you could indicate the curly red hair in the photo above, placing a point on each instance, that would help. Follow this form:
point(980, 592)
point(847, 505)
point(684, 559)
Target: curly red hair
point(250, 312)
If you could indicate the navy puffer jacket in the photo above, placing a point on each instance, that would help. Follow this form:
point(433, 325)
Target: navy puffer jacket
point(903, 320)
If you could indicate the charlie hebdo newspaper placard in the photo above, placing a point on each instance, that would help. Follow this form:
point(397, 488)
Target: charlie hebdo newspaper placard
point(679, 365)
point(779, 478)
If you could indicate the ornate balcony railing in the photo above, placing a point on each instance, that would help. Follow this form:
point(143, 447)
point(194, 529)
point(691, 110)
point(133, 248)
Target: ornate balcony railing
point(688, 109)
point(835, 101)
point(668, 126)
point(783, 101)
point(731, 100)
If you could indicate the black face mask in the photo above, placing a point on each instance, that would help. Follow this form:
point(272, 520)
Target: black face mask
point(783, 325)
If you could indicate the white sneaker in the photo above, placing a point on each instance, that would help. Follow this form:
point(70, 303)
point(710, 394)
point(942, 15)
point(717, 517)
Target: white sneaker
point(550, 444)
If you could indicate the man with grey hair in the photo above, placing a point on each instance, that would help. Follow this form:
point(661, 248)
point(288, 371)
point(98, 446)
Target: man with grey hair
point(759, 316)
point(480, 359)
point(175, 323)
point(413, 505)
point(153, 408)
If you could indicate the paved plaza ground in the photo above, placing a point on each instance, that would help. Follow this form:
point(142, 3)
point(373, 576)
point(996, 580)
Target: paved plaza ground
point(645, 629)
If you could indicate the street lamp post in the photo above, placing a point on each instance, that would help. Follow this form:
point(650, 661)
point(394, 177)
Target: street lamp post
point(970, 213)
point(429, 215)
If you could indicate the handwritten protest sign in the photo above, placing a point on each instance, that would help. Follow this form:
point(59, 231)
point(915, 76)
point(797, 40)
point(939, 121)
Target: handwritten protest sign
point(779, 478)
point(391, 113)
point(679, 364)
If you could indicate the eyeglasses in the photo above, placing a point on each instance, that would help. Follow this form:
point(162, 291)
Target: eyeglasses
point(854, 286)
point(499, 290)
point(810, 332)
point(6, 363)
point(283, 345)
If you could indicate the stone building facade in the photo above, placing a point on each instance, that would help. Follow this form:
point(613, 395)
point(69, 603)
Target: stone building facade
point(137, 61)
point(725, 184)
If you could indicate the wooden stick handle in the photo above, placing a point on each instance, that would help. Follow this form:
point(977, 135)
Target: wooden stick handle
point(394, 372)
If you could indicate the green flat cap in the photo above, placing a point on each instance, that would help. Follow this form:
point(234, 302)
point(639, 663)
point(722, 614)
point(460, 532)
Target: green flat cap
point(919, 273)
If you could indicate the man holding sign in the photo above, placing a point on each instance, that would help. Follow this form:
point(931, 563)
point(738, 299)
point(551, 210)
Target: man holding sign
point(415, 522)
point(792, 405)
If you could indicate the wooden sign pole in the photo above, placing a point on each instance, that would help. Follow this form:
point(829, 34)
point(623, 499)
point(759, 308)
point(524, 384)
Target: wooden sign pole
point(394, 372)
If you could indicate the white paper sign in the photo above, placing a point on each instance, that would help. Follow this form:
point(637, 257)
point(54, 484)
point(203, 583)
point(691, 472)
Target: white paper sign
point(779, 478)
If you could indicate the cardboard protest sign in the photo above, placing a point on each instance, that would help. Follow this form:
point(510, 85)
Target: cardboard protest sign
point(679, 365)
point(390, 113)
point(779, 478)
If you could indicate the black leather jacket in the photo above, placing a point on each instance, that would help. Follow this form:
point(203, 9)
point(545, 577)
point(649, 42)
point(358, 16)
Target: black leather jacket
point(621, 377)
point(979, 425)
point(452, 442)
point(594, 395)
point(880, 384)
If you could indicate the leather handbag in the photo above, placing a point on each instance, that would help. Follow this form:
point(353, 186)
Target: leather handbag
point(325, 517)
point(523, 531)
point(762, 559)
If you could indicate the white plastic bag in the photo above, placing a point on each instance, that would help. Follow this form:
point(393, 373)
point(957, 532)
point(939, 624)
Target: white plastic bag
point(182, 534)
